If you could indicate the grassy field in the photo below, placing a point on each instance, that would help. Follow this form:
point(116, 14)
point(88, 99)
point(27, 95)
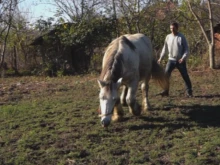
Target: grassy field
point(54, 121)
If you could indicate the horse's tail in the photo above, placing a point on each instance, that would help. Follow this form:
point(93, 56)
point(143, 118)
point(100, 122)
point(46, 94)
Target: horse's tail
point(159, 75)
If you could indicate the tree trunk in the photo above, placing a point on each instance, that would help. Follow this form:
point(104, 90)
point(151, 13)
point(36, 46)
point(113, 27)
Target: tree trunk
point(115, 18)
point(15, 65)
point(2, 60)
point(128, 24)
point(212, 45)
point(211, 56)
point(138, 17)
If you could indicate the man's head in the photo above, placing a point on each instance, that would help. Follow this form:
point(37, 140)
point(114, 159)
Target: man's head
point(174, 28)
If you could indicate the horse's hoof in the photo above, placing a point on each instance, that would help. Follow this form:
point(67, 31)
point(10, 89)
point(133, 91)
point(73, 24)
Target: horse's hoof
point(136, 112)
point(145, 109)
point(117, 118)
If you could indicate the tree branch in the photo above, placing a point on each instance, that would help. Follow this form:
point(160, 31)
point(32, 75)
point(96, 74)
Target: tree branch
point(211, 22)
point(199, 22)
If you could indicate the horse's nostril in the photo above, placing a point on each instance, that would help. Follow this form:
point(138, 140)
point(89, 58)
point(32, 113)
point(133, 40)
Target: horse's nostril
point(105, 123)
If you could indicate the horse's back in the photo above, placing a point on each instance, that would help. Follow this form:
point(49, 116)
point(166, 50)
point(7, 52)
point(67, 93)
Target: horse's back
point(145, 52)
point(142, 44)
point(130, 55)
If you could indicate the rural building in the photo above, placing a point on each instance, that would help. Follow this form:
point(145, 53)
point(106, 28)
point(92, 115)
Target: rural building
point(61, 56)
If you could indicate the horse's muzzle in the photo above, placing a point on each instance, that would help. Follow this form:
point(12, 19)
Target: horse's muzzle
point(105, 122)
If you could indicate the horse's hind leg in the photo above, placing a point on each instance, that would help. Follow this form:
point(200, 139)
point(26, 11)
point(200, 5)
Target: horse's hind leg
point(117, 112)
point(145, 88)
point(123, 95)
point(133, 105)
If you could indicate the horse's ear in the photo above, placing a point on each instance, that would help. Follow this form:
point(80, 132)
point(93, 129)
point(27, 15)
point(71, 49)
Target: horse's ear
point(119, 82)
point(101, 83)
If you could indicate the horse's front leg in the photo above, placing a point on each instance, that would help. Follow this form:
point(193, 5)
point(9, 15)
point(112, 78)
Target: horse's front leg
point(145, 101)
point(133, 105)
point(117, 112)
point(123, 95)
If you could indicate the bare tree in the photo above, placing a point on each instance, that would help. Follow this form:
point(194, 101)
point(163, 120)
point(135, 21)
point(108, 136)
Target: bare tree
point(130, 12)
point(115, 17)
point(209, 39)
point(6, 16)
point(75, 10)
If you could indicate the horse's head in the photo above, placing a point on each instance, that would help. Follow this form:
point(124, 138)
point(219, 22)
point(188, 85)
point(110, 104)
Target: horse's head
point(108, 96)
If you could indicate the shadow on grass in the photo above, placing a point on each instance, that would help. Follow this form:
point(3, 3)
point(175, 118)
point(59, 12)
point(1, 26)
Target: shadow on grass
point(208, 96)
point(204, 115)
point(152, 126)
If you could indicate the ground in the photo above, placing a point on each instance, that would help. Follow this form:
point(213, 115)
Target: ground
point(55, 121)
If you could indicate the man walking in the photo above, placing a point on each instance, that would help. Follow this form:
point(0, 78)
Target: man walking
point(177, 48)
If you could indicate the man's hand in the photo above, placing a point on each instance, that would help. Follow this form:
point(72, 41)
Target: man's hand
point(158, 61)
point(181, 61)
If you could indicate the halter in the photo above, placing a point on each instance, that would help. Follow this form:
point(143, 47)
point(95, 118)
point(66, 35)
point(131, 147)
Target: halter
point(104, 115)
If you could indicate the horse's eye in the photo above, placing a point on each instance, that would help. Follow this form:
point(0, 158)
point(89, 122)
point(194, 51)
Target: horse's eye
point(102, 97)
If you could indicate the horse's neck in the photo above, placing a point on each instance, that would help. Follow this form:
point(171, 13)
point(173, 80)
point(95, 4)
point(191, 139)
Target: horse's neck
point(107, 76)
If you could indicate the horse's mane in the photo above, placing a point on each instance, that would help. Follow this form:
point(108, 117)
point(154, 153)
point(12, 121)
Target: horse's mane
point(112, 69)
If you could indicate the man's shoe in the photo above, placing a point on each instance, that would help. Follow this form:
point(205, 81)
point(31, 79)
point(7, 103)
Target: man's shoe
point(189, 94)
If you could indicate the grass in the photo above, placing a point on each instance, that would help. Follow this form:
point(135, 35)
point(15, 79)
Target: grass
point(55, 121)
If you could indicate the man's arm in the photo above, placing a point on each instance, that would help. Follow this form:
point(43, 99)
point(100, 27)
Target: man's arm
point(164, 51)
point(185, 48)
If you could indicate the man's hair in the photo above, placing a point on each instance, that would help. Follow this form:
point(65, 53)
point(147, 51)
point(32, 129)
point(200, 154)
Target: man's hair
point(175, 24)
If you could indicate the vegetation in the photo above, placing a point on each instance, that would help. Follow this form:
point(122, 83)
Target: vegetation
point(84, 28)
point(55, 121)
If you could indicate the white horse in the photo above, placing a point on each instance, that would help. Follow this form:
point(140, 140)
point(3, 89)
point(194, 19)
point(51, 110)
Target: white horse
point(127, 60)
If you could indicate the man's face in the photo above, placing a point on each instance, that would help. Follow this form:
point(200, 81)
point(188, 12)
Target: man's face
point(173, 29)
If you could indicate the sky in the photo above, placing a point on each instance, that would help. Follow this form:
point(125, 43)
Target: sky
point(36, 9)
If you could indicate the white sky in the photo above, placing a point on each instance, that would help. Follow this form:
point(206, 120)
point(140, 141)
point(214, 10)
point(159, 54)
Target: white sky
point(36, 9)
